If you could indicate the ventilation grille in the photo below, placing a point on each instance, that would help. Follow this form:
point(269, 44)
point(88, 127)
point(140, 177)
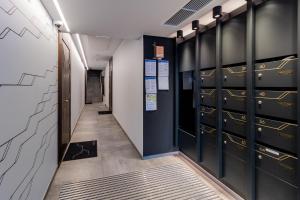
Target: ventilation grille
point(196, 5)
point(188, 10)
point(179, 17)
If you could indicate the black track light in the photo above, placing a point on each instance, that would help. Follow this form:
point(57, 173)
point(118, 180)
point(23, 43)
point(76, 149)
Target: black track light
point(217, 12)
point(179, 34)
point(195, 24)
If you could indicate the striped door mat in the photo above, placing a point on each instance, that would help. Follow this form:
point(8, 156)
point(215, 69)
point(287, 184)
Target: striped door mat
point(168, 182)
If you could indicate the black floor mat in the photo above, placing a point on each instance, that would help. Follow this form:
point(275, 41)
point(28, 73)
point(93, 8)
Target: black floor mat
point(104, 112)
point(81, 150)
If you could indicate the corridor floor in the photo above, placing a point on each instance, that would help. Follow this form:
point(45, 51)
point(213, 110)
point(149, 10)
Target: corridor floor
point(116, 155)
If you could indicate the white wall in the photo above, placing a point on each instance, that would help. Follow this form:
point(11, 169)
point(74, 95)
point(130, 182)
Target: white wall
point(106, 85)
point(77, 82)
point(128, 89)
point(28, 100)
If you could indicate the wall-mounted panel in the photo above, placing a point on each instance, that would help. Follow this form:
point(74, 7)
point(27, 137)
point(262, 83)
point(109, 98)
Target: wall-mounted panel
point(208, 49)
point(186, 55)
point(234, 40)
point(276, 29)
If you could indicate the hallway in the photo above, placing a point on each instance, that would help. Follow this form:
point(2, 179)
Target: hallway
point(116, 155)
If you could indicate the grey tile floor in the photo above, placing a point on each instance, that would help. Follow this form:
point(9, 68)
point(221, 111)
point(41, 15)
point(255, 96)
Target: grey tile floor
point(116, 155)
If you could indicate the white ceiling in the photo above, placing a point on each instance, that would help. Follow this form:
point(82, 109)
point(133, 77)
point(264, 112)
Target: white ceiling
point(115, 20)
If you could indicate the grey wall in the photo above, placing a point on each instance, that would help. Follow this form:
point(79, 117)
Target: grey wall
point(94, 92)
point(28, 100)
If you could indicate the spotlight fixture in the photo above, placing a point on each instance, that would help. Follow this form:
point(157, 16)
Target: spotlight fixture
point(179, 34)
point(217, 12)
point(195, 24)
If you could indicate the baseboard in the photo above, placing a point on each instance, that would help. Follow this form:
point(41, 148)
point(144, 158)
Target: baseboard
point(161, 155)
point(216, 183)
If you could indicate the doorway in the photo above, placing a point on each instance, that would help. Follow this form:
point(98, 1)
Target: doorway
point(64, 96)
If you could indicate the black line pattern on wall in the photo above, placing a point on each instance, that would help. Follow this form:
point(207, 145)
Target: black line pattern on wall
point(11, 11)
point(41, 125)
point(44, 141)
point(7, 30)
point(53, 110)
point(33, 77)
point(38, 109)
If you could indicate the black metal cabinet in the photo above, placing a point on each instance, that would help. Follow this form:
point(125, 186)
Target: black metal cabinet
point(208, 78)
point(276, 175)
point(277, 73)
point(208, 97)
point(235, 162)
point(234, 123)
point(234, 76)
point(279, 104)
point(209, 149)
point(187, 144)
point(234, 100)
point(278, 134)
point(208, 115)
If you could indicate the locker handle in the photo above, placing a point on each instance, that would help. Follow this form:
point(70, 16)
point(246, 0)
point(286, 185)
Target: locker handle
point(202, 114)
point(202, 132)
point(225, 99)
point(259, 157)
point(260, 103)
point(225, 142)
point(259, 129)
point(225, 121)
point(225, 78)
point(259, 75)
point(202, 79)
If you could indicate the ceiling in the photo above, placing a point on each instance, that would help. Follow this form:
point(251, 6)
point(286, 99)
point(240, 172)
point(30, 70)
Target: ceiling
point(103, 24)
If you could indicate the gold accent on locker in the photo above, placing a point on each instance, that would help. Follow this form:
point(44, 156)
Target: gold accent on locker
point(283, 95)
point(284, 62)
point(210, 93)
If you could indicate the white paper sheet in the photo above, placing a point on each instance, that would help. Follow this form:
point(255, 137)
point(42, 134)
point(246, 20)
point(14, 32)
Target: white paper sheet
point(150, 67)
point(151, 102)
point(163, 83)
point(150, 84)
point(163, 68)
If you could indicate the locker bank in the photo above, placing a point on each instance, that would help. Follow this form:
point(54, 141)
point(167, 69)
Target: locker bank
point(149, 100)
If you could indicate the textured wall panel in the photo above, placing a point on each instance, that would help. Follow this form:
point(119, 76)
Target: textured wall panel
point(28, 99)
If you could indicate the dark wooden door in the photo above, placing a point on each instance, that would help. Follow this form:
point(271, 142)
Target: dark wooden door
point(64, 75)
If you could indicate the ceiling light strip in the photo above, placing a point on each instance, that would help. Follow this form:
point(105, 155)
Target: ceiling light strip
point(62, 17)
point(81, 49)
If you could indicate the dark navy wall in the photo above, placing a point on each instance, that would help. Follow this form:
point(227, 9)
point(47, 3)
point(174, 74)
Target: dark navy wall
point(159, 125)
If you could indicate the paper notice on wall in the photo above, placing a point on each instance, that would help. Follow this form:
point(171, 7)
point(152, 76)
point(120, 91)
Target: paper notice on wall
point(151, 102)
point(163, 83)
point(150, 84)
point(150, 67)
point(163, 68)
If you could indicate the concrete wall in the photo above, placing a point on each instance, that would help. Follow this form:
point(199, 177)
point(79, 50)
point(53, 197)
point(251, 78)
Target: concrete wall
point(128, 89)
